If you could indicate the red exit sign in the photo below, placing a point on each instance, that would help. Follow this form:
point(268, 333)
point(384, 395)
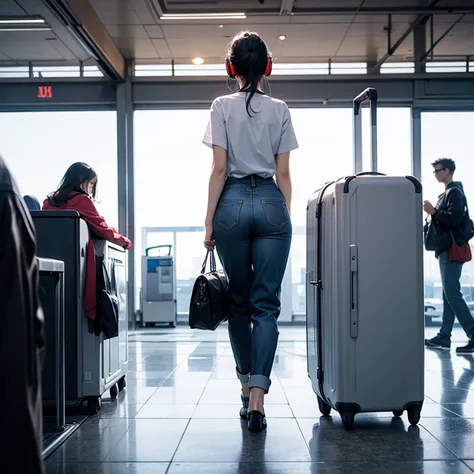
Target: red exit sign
point(45, 92)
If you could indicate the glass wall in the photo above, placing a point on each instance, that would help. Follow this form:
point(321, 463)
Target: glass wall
point(172, 171)
point(446, 135)
point(39, 147)
point(324, 154)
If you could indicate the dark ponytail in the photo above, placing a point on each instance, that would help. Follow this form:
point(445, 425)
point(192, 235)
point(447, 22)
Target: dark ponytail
point(249, 55)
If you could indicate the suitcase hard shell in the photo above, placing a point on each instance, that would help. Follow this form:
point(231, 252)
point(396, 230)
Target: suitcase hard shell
point(365, 297)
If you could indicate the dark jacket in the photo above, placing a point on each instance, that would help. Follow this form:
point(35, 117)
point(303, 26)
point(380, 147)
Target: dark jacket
point(21, 336)
point(450, 213)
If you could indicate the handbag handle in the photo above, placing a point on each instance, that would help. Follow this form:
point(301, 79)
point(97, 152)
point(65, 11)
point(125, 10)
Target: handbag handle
point(212, 262)
point(109, 286)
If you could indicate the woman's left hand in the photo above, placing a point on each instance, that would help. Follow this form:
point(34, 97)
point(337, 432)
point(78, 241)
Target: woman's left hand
point(208, 238)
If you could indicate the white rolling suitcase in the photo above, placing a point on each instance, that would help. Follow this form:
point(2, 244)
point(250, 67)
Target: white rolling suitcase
point(364, 291)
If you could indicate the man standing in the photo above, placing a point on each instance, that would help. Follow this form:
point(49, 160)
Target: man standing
point(449, 215)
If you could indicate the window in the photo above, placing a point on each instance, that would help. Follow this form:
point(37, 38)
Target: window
point(56, 71)
point(39, 147)
point(397, 68)
point(348, 68)
point(324, 154)
point(446, 135)
point(447, 66)
point(8, 72)
point(172, 169)
point(279, 69)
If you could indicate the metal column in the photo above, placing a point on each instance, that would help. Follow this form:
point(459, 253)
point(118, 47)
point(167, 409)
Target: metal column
point(416, 142)
point(419, 47)
point(126, 189)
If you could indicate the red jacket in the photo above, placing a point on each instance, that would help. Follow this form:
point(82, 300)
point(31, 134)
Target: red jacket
point(100, 230)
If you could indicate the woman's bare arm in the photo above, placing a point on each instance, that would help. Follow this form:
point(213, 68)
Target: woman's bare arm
point(283, 176)
point(216, 181)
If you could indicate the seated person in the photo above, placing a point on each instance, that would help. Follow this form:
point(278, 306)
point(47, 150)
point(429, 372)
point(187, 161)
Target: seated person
point(76, 192)
point(32, 203)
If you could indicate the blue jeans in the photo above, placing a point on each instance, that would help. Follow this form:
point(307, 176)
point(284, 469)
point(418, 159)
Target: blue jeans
point(252, 230)
point(453, 300)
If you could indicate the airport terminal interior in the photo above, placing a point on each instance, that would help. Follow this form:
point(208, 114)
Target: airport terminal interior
point(126, 86)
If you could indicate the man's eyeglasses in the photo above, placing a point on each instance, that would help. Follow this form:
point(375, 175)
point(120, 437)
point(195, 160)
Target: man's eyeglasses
point(438, 170)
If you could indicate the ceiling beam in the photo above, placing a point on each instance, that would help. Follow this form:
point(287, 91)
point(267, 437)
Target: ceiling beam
point(441, 38)
point(399, 10)
point(420, 20)
point(286, 7)
point(86, 26)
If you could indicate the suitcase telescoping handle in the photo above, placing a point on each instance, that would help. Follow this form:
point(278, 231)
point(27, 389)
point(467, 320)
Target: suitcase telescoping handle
point(371, 95)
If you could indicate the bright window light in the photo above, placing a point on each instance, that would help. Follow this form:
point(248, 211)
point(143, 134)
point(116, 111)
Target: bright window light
point(446, 66)
point(8, 72)
point(398, 68)
point(348, 68)
point(153, 70)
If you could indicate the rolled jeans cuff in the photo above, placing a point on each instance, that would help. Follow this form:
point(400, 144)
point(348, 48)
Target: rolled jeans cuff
point(241, 377)
point(260, 381)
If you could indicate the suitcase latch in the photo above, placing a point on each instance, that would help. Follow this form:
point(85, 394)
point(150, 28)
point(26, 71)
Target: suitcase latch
point(320, 374)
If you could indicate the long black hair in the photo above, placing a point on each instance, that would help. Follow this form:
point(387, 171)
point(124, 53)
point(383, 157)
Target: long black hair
point(77, 174)
point(249, 55)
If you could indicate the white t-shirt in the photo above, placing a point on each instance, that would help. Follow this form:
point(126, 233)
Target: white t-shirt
point(251, 142)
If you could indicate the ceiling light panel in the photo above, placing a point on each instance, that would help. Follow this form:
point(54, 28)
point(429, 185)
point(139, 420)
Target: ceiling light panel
point(22, 20)
point(204, 16)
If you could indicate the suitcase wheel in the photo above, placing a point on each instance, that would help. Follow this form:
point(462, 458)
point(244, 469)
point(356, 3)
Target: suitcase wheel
point(113, 392)
point(94, 404)
point(348, 420)
point(122, 383)
point(414, 414)
point(397, 412)
point(324, 408)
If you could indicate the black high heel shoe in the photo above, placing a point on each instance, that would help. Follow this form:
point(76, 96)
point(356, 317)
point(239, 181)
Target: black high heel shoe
point(257, 421)
point(245, 406)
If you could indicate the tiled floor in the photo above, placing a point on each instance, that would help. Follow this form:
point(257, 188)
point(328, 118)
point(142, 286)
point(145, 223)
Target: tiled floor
point(179, 414)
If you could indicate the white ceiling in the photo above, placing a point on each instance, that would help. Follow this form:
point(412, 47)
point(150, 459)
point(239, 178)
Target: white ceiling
point(135, 27)
point(138, 32)
point(48, 46)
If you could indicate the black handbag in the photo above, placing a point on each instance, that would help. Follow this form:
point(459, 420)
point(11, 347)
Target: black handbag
point(209, 299)
point(109, 305)
point(435, 237)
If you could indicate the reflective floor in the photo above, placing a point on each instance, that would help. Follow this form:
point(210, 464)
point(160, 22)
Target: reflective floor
point(179, 414)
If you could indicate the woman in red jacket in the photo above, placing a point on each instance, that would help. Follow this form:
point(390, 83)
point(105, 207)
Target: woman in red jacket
point(76, 192)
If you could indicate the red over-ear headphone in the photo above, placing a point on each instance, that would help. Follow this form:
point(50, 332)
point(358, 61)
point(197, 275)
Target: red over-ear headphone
point(230, 69)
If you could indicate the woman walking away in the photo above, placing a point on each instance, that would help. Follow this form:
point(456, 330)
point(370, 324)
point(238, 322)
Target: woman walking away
point(248, 214)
